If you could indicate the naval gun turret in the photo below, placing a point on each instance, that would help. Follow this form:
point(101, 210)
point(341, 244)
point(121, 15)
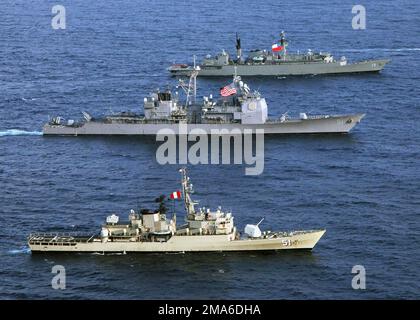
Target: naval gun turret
point(253, 230)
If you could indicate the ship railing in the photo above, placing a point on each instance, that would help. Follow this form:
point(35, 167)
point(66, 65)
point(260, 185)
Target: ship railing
point(61, 237)
point(218, 121)
point(282, 234)
point(309, 117)
point(146, 120)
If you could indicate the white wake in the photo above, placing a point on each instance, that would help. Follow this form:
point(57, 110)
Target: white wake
point(17, 132)
point(23, 250)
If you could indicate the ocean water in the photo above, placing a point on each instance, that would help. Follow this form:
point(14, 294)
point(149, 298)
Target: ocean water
point(363, 187)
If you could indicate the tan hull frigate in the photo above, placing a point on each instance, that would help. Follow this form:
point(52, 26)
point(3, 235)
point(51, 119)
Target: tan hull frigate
point(151, 231)
point(179, 243)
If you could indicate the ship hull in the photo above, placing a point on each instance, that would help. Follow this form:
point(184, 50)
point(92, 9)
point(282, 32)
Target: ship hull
point(330, 124)
point(284, 69)
point(209, 243)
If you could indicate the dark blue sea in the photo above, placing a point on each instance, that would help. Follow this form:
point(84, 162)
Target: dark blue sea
point(363, 187)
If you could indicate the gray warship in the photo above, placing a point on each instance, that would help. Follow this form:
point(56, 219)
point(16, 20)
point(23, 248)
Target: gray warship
point(238, 108)
point(204, 230)
point(276, 62)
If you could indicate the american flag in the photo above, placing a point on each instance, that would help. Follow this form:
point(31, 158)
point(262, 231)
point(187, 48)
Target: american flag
point(227, 91)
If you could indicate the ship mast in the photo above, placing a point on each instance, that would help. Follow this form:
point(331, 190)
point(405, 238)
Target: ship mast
point(283, 43)
point(238, 48)
point(192, 85)
point(186, 191)
point(194, 78)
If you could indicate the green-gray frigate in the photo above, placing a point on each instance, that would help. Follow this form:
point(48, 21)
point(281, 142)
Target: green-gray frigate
point(277, 62)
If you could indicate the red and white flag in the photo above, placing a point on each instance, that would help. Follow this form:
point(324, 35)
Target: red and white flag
point(276, 47)
point(175, 195)
point(227, 91)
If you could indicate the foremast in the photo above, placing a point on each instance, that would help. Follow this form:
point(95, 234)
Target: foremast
point(238, 48)
point(283, 44)
point(186, 191)
point(190, 89)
